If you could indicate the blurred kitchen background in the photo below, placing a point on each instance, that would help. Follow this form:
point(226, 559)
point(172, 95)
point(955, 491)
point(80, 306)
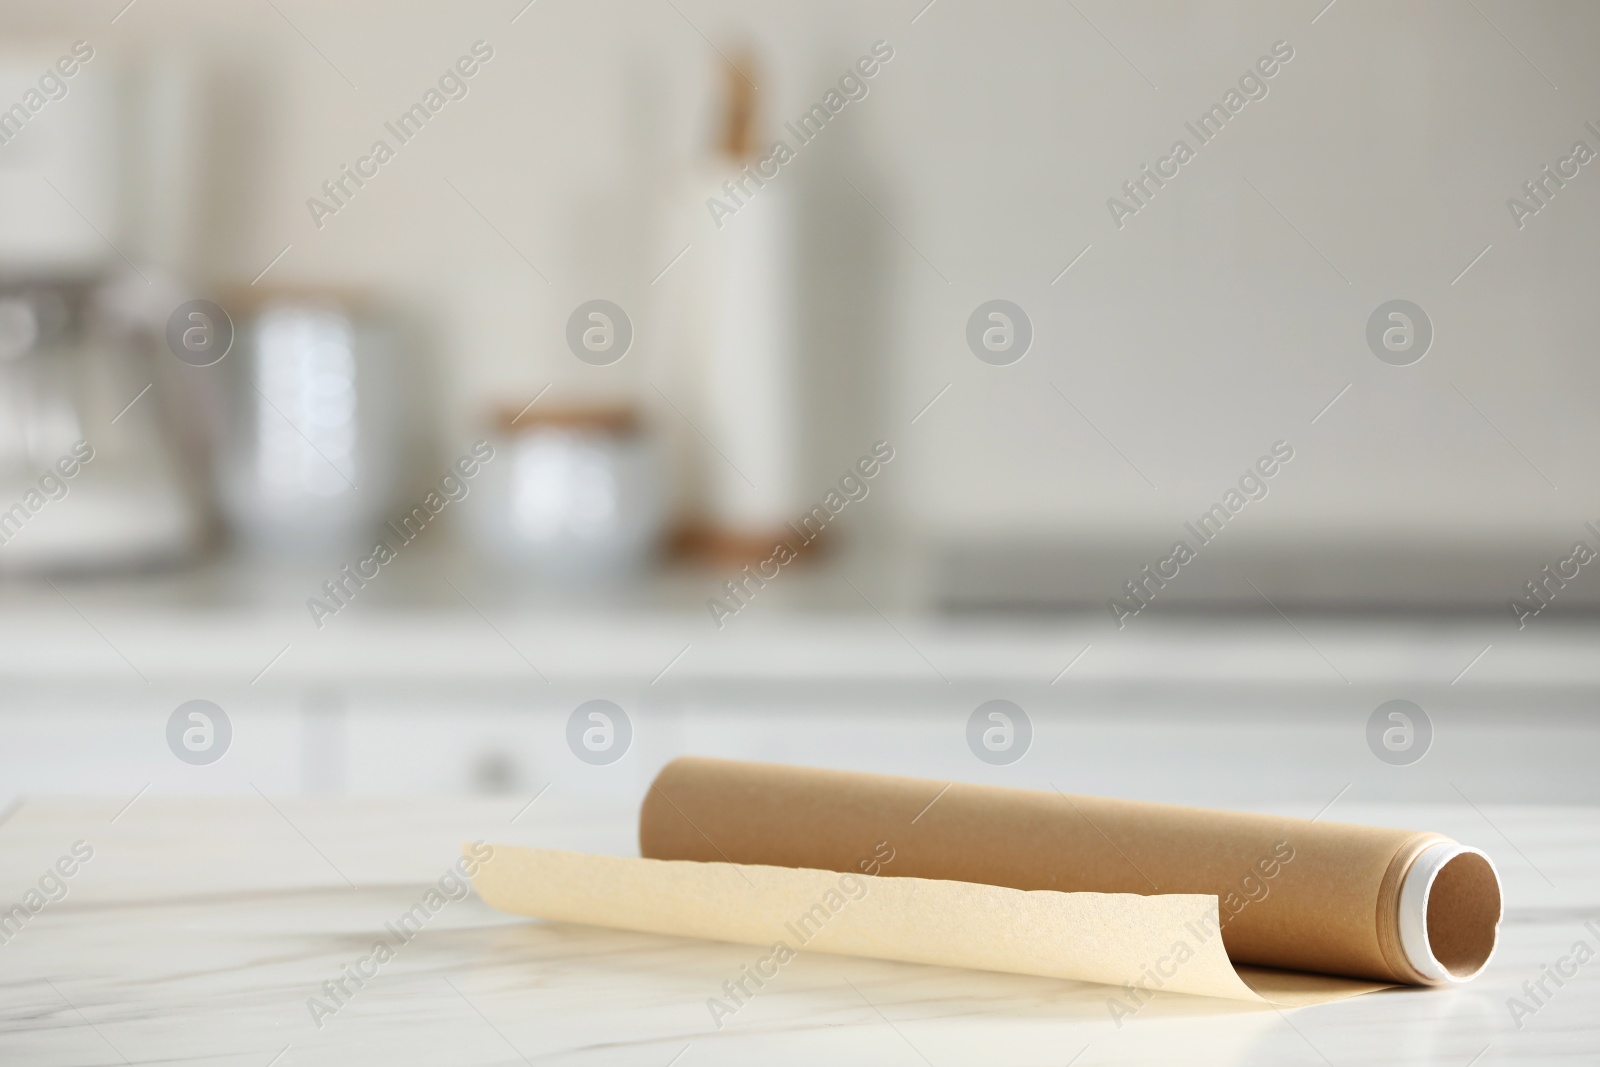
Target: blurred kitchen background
point(576, 384)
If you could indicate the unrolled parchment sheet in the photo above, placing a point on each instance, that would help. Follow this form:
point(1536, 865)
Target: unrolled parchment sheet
point(1162, 942)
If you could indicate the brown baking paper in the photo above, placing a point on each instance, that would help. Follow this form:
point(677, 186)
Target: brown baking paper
point(1146, 897)
point(1295, 894)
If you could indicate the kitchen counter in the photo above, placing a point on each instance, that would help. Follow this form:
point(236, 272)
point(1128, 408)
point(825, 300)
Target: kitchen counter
point(199, 930)
point(441, 615)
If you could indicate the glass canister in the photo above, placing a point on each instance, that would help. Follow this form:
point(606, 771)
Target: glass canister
point(575, 494)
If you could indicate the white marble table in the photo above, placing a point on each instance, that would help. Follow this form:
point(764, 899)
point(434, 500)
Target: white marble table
point(200, 928)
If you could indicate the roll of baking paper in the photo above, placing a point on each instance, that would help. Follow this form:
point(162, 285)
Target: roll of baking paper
point(1324, 897)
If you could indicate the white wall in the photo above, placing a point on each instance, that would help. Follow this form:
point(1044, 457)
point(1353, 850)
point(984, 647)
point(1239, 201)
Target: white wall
point(1193, 338)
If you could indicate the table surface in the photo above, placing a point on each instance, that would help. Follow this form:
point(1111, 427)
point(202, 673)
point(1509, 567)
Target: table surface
point(199, 930)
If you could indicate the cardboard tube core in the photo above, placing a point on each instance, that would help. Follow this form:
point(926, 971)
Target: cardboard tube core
point(1450, 912)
